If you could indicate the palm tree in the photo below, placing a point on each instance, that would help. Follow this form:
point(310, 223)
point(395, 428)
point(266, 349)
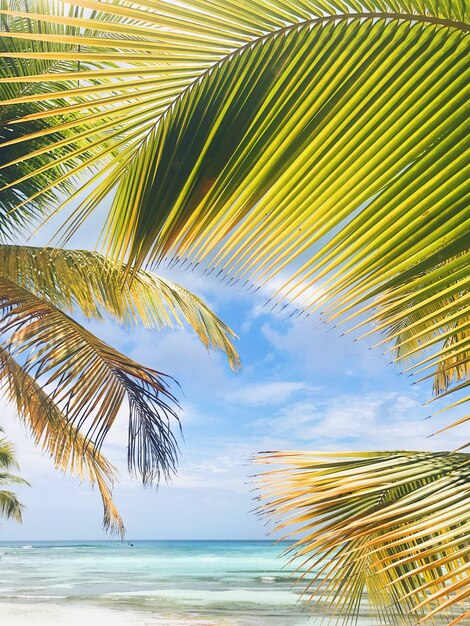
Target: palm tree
point(66, 384)
point(325, 141)
point(10, 506)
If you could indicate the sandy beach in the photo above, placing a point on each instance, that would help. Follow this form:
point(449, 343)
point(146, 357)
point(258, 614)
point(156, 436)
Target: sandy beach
point(52, 614)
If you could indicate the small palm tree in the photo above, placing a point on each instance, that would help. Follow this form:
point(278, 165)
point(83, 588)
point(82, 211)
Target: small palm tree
point(10, 506)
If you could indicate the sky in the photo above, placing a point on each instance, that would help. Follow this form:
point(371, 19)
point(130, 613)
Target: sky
point(303, 386)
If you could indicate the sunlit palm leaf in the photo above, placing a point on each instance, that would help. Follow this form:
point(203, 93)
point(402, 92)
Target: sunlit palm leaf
point(26, 181)
point(71, 279)
point(394, 523)
point(10, 506)
point(79, 279)
point(54, 433)
point(90, 381)
point(328, 141)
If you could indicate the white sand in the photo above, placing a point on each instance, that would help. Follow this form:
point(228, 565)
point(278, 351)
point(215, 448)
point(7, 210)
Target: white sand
point(51, 614)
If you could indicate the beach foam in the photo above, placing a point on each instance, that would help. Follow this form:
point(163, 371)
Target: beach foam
point(50, 614)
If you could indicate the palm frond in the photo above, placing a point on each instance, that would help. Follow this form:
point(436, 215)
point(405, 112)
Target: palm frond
point(90, 381)
point(326, 141)
point(25, 195)
point(10, 506)
point(51, 430)
point(394, 524)
point(426, 319)
point(71, 279)
point(7, 454)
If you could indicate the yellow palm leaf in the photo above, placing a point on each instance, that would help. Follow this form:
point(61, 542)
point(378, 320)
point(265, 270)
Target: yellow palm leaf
point(51, 430)
point(394, 524)
point(79, 279)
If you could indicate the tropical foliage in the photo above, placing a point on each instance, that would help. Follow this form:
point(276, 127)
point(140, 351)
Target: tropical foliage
point(10, 506)
point(302, 137)
point(64, 381)
point(323, 142)
point(394, 523)
point(67, 385)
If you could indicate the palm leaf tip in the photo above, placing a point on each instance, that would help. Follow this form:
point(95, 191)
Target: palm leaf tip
point(394, 524)
point(152, 445)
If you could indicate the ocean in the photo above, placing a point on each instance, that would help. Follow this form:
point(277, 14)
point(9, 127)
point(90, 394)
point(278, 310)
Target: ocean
point(226, 583)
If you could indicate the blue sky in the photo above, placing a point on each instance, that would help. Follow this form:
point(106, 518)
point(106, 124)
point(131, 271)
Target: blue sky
point(303, 386)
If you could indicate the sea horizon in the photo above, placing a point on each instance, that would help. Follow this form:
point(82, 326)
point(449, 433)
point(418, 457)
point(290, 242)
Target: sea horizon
point(125, 539)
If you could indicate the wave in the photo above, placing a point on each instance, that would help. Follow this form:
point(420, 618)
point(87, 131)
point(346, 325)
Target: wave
point(27, 596)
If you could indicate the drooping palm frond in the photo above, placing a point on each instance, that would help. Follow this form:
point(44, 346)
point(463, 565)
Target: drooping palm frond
point(71, 279)
point(66, 280)
point(10, 506)
point(90, 381)
point(70, 451)
point(394, 523)
point(328, 141)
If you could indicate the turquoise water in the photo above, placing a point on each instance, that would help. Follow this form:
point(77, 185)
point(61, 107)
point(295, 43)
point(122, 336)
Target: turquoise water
point(150, 583)
point(239, 581)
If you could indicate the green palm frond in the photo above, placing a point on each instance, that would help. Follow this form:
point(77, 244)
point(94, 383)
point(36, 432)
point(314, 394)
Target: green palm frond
point(90, 381)
point(393, 523)
point(7, 454)
point(25, 194)
point(71, 279)
point(327, 141)
point(50, 428)
point(10, 506)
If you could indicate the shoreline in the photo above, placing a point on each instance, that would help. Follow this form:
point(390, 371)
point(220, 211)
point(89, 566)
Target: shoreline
point(53, 613)
point(48, 613)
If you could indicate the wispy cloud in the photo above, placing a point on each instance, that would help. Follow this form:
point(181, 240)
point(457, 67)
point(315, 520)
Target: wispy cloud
point(373, 421)
point(268, 393)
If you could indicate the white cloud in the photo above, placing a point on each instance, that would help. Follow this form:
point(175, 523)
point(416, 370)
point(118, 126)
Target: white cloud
point(373, 421)
point(267, 393)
